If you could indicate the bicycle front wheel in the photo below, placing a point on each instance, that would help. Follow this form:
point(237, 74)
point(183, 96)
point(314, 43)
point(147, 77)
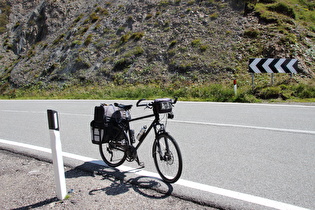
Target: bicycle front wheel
point(113, 152)
point(167, 158)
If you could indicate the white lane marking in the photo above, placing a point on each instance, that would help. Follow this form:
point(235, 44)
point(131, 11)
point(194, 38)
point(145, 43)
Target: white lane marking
point(22, 111)
point(28, 146)
point(197, 123)
point(215, 190)
point(240, 196)
point(38, 112)
point(247, 126)
point(310, 105)
point(293, 105)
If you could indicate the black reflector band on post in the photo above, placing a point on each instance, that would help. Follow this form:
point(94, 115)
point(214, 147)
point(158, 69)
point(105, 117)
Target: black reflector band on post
point(53, 122)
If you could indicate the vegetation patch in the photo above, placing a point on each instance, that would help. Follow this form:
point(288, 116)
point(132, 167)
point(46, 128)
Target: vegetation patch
point(280, 10)
point(4, 15)
point(188, 48)
point(187, 87)
point(251, 33)
point(283, 8)
point(122, 64)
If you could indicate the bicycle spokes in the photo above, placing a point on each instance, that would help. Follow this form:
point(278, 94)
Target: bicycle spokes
point(167, 158)
point(112, 153)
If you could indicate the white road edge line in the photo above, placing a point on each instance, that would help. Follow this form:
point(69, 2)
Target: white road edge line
point(214, 190)
point(247, 126)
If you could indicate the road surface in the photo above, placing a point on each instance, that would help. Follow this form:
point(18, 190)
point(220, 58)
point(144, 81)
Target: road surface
point(236, 155)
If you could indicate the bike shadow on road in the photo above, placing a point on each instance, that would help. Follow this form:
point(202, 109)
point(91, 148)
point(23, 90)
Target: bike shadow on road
point(122, 182)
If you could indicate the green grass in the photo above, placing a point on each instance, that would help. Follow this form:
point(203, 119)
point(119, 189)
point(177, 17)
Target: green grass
point(283, 91)
point(302, 11)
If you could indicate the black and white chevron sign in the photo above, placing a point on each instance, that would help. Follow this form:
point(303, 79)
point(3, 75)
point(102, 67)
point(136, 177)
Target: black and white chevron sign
point(271, 65)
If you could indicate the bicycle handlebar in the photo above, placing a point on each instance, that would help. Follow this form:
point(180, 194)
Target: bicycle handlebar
point(138, 103)
point(175, 100)
point(151, 103)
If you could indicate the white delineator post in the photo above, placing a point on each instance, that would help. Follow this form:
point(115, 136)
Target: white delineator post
point(56, 151)
point(235, 87)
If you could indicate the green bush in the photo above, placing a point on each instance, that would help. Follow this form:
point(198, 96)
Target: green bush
point(59, 39)
point(305, 91)
point(283, 8)
point(191, 2)
point(164, 3)
point(137, 36)
point(121, 64)
point(173, 43)
point(270, 93)
point(4, 15)
point(245, 97)
point(251, 33)
point(288, 39)
point(78, 18)
point(102, 11)
point(196, 42)
point(76, 42)
point(214, 16)
point(94, 17)
point(267, 1)
point(214, 92)
point(88, 40)
point(203, 47)
point(124, 38)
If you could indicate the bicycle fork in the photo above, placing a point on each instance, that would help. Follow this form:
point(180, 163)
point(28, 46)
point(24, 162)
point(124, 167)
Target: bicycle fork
point(163, 153)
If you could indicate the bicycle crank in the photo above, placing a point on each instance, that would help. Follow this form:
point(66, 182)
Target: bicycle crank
point(132, 155)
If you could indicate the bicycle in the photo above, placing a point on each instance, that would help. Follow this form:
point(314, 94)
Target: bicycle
point(122, 146)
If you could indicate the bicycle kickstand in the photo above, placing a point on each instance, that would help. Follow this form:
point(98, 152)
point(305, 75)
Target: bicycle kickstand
point(141, 164)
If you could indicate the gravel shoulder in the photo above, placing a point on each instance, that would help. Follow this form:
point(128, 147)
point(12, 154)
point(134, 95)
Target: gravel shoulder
point(27, 182)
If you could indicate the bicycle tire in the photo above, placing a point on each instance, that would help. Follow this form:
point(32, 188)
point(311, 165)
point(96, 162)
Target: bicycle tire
point(113, 152)
point(167, 158)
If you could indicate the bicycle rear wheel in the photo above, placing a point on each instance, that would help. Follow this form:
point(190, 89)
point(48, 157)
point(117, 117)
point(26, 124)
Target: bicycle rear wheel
point(113, 152)
point(167, 158)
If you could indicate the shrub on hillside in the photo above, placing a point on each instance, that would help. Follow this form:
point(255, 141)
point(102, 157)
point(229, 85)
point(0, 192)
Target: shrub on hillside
point(283, 8)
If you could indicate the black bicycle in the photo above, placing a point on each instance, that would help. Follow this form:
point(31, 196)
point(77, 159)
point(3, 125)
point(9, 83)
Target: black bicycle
point(118, 143)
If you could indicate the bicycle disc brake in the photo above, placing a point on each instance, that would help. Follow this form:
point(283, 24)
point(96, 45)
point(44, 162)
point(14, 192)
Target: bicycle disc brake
point(169, 158)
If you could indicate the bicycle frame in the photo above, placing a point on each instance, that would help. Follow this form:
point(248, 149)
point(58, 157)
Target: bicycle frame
point(155, 122)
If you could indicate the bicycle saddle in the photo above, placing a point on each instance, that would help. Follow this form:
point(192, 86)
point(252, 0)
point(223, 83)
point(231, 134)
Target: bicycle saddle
point(122, 106)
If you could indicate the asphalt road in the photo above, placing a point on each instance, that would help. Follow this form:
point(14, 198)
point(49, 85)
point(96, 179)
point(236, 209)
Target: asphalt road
point(259, 150)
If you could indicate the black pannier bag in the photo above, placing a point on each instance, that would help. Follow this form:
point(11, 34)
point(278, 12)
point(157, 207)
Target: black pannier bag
point(97, 125)
point(97, 132)
point(105, 125)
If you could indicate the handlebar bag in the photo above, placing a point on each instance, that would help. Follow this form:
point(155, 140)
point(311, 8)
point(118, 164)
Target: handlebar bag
point(163, 105)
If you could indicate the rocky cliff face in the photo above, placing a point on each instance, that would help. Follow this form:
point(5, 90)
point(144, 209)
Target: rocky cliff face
point(71, 41)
